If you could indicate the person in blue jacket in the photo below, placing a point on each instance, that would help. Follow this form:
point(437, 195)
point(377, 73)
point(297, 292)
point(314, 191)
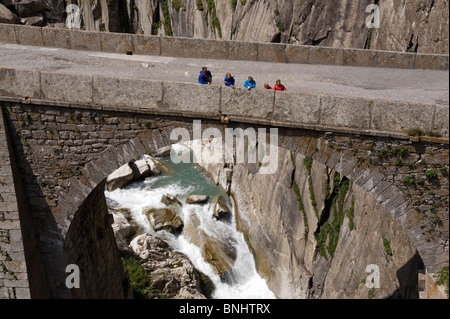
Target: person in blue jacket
point(205, 76)
point(229, 80)
point(250, 83)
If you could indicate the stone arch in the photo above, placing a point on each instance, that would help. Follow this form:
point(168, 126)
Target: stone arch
point(84, 221)
point(314, 145)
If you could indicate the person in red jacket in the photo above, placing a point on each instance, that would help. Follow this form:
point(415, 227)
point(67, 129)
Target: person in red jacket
point(267, 86)
point(279, 87)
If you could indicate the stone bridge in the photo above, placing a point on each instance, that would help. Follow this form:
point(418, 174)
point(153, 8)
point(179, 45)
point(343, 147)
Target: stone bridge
point(62, 134)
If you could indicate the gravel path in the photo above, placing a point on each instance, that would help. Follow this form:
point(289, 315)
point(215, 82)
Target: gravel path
point(425, 86)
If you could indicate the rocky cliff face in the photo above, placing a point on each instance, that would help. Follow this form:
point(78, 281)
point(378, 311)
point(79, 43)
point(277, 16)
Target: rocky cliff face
point(314, 233)
point(405, 25)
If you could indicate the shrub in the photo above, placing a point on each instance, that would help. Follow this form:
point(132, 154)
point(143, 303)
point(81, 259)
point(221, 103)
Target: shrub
point(442, 278)
point(415, 132)
point(430, 174)
point(387, 246)
point(137, 277)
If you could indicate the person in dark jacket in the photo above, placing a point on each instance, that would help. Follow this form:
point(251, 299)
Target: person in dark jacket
point(250, 83)
point(229, 80)
point(205, 76)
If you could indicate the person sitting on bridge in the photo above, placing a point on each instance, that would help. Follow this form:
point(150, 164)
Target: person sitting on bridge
point(267, 86)
point(279, 87)
point(250, 83)
point(229, 80)
point(205, 76)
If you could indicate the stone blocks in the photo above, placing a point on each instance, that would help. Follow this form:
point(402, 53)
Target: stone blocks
point(191, 98)
point(257, 104)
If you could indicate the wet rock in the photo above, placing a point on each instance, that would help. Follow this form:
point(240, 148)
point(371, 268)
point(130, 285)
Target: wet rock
point(163, 151)
point(123, 230)
point(220, 207)
point(164, 219)
point(220, 254)
point(141, 169)
point(170, 273)
point(197, 199)
point(170, 200)
point(153, 166)
point(120, 177)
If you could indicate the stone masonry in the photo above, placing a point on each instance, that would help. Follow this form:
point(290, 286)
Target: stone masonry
point(13, 273)
point(64, 155)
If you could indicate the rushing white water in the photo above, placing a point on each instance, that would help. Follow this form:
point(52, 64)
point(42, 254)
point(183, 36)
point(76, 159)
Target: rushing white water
point(242, 282)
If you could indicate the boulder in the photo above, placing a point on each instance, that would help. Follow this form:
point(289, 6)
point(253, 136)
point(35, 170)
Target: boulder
point(189, 293)
point(163, 167)
point(170, 200)
point(51, 9)
point(6, 16)
point(141, 169)
point(221, 255)
point(153, 166)
point(170, 273)
point(121, 177)
point(164, 219)
point(197, 199)
point(36, 21)
point(161, 152)
point(220, 207)
point(123, 230)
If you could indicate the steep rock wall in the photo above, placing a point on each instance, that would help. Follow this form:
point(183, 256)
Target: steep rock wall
point(414, 26)
point(282, 216)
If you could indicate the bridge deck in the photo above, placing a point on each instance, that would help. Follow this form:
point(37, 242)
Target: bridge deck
point(415, 85)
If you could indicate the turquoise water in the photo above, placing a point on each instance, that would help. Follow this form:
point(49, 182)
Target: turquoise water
point(186, 179)
point(189, 177)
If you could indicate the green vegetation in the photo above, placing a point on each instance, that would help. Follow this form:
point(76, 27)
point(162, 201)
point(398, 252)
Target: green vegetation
point(308, 161)
point(409, 180)
point(234, 4)
point(312, 196)
point(415, 132)
point(167, 21)
point(280, 26)
point(215, 23)
point(420, 132)
point(199, 4)
point(351, 215)
point(178, 5)
point(389, 152)
point(430, 174)
point(371, 293)
point(138, 279)
point(301, 207)
point(328, 236)
point(387, 246)
point(442, 278)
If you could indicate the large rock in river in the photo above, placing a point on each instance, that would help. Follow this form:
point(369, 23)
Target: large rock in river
point(121, 177)
point(220, 254)
point(164, 219)
point(197, 199)
point(170, 273)
point(220, 207)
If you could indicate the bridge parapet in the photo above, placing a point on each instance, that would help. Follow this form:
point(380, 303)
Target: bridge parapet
point(216, 49)
point(319, 112)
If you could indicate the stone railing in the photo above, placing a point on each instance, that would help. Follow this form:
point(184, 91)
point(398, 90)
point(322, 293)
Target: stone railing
point(216, 49)
point(282, 109)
